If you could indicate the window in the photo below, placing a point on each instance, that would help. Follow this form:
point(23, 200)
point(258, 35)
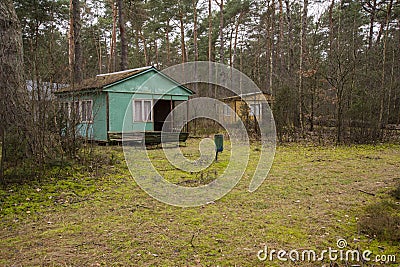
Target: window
point(65, 109)
point(86, 110)
point(80, 111)
point(76, 110)
point(142, 110)
point(255, 109)
point(227, 110)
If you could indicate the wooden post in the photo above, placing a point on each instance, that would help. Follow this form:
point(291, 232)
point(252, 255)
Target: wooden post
point(172, 116)
point(187, 115)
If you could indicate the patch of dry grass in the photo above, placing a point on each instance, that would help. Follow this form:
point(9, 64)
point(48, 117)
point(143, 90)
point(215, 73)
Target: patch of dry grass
point(310, 199)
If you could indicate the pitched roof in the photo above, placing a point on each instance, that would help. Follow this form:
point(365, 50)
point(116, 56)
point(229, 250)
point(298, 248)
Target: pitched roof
point(102, 80)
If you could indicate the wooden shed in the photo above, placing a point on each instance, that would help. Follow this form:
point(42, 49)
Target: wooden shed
point(248, 105)
point(131, 101)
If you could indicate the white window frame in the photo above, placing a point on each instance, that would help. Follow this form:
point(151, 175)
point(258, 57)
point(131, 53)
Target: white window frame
point(66, 108)
point(83, 117)
point(227, 110)
point(143, 116)
point(252, 108)
point(76, 110)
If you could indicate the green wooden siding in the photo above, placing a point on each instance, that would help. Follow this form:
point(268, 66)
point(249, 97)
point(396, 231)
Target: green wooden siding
point(148, 84)
point(97, 130)
point(121, 111)
point(120, 106)
point(100, 117)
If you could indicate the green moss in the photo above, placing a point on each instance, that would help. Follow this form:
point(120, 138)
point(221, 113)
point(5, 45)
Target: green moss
point(309, 200)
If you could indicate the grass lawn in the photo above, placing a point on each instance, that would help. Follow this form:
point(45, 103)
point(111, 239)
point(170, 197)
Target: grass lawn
point(96, 215)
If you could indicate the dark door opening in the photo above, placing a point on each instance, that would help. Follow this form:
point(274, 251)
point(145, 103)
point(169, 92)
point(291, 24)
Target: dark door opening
point(161, 110)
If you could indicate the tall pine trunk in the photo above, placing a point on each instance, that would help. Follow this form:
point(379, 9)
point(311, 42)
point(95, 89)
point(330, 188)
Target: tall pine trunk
point(210, 48)
point(75, 49)
point(111, 59)
point(124, 45)
point(221, 32)
point(167, 43)
point(182, 30)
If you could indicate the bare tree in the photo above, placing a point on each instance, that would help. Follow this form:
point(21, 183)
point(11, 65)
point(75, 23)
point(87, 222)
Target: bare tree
point(271, 33)
point(303, 33)
point(383, 82)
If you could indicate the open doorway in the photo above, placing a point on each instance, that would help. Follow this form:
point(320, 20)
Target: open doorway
point(161, 110)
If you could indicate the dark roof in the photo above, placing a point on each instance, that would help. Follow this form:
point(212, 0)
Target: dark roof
point(238, 97)
point(103, 80)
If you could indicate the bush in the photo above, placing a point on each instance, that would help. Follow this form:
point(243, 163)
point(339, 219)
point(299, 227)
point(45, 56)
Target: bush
point(396, 193)
point(382, 220)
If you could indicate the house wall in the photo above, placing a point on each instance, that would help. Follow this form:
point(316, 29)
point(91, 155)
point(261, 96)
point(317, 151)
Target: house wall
point(120, 96)
point(148, 85)
point(236, 104)
point(121, 111)
point(97, 129)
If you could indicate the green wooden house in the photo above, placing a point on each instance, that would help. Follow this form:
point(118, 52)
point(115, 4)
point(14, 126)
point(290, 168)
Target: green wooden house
point(131, 101)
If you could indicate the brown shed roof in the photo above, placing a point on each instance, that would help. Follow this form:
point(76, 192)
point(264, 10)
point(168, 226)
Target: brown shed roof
point(102, 80)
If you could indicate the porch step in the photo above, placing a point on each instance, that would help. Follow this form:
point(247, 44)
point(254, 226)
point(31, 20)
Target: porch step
point(150, 138)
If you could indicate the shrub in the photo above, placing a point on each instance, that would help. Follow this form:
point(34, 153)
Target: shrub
point(396, 192)
point(382, 220)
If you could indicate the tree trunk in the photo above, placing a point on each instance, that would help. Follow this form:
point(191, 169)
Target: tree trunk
point(168, 44)
point(13, 96)
point(111, 60)
point(196, 51)
point(195, 47)
point(280, 36)
point(77, 49)
point(71, 42)
point(303, 32)
point(124, 45)
point(210, 48)
point(146, 56)
point(271, 48)
point(339, 115)
point(182, 28)
point(183, 45)
point(383, 83)
point(332, 5)
point(156, 52)
point(210, 30)
point(371, 24)
point(100, 56)
point(3, 155)
point(221, 32)
point(236, 38)
point(290, 37)
point(390, 89)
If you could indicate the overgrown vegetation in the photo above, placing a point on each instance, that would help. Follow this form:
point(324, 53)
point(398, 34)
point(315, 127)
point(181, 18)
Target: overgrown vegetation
point(382, 219)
